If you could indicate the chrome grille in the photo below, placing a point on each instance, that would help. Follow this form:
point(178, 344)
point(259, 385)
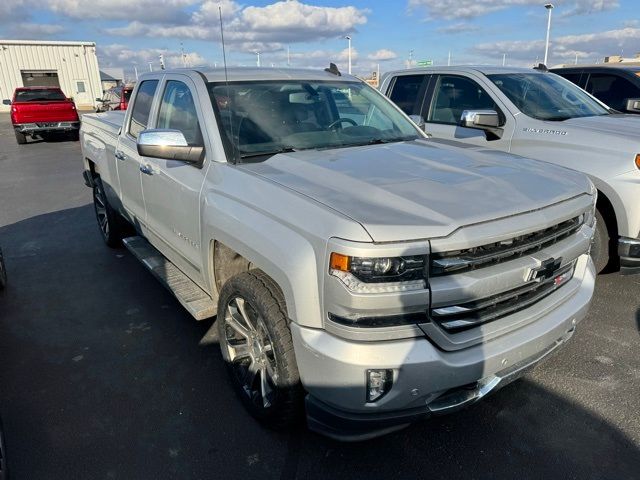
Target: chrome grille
point(455, 318)
point(459, 261)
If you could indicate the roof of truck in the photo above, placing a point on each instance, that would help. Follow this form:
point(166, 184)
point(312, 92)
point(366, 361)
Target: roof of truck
point(485, 69)
point(263, 73)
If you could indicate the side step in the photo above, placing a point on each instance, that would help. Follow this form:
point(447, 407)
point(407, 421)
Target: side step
point(190, 295)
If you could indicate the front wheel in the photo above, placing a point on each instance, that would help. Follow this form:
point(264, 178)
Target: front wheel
point(108, 219)
point(3, 273)
point(257, 347)
point(601, 244)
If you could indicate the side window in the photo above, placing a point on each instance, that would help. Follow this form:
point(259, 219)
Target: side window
point(178, 112)
point(453, 95)
point(405, 93)
point(612, 90)
point(142, 107)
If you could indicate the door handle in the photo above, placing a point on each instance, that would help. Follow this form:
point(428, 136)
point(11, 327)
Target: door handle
point(146, 169)
point(120, 155)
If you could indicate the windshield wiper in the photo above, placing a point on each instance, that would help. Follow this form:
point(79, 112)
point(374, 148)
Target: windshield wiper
point(380, 141)
point(268, 153)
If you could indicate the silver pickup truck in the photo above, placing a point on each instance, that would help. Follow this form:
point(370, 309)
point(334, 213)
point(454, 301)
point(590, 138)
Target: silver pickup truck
point(354, 267)
point(537, 114)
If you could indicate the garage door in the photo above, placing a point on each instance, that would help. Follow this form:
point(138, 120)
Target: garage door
point(40, 78)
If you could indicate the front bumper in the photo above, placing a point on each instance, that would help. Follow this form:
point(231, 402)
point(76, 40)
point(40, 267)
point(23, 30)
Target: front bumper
point(427, 380)
point(44, 127)
point(629, 252)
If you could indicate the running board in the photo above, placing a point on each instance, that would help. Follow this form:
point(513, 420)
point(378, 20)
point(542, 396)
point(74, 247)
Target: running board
point(190, 295)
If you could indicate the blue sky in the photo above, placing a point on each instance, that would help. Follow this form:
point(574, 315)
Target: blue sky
point(135, 32)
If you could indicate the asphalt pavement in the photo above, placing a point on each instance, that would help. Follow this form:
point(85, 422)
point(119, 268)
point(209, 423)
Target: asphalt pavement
point(104, 376)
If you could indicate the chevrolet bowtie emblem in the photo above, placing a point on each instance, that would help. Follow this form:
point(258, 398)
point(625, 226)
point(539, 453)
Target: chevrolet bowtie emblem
point(545, 270)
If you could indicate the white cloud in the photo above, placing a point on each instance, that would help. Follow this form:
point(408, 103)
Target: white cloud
point(117, 55)
point(382, 55)
point(36, 30)
point(588, 47)
point(260, 28)
point(143, 10)
point(457, 9)
point(459, 27)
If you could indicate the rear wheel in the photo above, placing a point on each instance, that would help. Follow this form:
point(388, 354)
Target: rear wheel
point(110, 223)
point(257, 347)
point(75, 135)
point(601, 244)
point(21, 138)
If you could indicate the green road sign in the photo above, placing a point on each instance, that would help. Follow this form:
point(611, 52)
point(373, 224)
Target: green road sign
point(425, 63)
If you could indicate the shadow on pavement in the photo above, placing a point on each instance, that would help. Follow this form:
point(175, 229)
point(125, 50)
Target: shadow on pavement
point(104, 375)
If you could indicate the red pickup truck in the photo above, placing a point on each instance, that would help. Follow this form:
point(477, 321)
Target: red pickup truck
point(42, 111)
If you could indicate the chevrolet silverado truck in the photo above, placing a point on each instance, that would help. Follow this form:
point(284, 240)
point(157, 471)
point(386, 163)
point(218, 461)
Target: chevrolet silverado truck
point(355, 267)
point(539, 115)
point(43, 112)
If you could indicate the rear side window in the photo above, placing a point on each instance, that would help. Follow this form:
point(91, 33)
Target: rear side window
point(178, 112)
point(406, 93)
point(142, 107)
point(573, 77)
point(613, 90)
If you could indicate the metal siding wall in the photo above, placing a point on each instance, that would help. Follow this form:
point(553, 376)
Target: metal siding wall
point(73, 62)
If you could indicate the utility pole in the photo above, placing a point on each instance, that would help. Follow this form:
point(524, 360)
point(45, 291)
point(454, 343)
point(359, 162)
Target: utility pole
point(504, 59)
point(135, 70)
point(184, 59)
point(349, 40)
point(410, 58)
point(161, 57)
point(549, 7)
point(288, 57)
point(449, 59)
point(257, 58)
point(576, 58)
point(150, 67)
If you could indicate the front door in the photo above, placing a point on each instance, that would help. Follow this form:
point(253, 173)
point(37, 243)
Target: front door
point(452, 95)
point(127, 159)
point(172, 188)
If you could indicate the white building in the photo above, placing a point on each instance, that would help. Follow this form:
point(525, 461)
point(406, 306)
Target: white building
point(73, 66)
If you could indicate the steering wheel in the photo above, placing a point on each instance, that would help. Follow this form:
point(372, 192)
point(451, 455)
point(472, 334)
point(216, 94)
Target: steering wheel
point(341, 120)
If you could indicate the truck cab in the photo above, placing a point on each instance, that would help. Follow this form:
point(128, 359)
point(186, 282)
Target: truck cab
point(539, 115)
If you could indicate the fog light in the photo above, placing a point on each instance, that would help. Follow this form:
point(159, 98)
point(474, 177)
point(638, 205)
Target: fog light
point(379, 383)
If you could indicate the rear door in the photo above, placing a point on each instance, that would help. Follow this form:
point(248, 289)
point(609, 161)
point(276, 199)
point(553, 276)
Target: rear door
point(172, 188)
point(127, 159)
point(408, 92)
point(452, 94)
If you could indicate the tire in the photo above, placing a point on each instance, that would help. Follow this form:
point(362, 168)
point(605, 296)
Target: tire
point(257, 347)
point(110, 222)
point(21, 138)
point(75, 135)
point(601, 244)
point(3, 273)
point(4, 473)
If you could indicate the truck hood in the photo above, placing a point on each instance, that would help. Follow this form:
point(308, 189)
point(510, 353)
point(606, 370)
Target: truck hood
point(414, 190)
point(624, 125)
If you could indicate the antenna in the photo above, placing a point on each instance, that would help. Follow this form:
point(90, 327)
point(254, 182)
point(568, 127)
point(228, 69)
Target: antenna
point(226, 82)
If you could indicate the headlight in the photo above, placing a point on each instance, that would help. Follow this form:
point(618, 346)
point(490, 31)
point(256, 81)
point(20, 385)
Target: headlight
point(379, 274)
point(589, 217)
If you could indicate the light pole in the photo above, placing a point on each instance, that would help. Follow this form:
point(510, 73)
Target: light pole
point(257, 58)
point(348, 38)
point(410, 58)
point(504, 59)
point(549, 7)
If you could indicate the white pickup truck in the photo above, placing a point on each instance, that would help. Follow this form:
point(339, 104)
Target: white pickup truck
point(354, 267)
point(540, 115)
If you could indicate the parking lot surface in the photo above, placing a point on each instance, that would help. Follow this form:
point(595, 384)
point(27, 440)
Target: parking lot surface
point(104, 376)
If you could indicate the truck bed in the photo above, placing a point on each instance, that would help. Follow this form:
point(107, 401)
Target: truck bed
point(108, 122)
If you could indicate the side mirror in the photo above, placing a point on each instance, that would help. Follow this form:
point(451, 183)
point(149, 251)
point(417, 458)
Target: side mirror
point(418, 120)
point(169, 145)
point(633, 105)
point(480, 119)
point(6, 101)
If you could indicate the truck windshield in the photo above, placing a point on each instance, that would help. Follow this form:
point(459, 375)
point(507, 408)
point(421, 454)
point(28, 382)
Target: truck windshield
point(261, 118)
point(39, 95)
point(547, 96)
